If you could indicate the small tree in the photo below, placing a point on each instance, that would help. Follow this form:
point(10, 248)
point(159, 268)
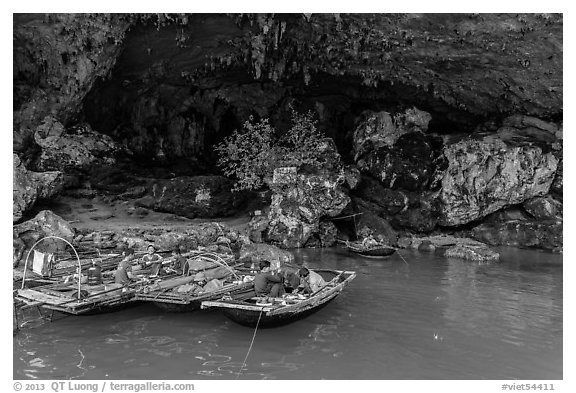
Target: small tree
point(252, 155)
point(247, 155)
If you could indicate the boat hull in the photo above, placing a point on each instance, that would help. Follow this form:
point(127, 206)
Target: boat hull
point(380, 252)
point(248, 312)
point(253, 318)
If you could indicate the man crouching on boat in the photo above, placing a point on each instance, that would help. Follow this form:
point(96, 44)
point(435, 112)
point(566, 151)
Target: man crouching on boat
point(267, 283)
point(310, 281)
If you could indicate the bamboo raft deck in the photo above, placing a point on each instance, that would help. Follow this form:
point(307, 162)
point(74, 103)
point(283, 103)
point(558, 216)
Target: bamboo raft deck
point(98, 300)
point(54, 293)
point(164, 296)
point(248, 310)
point(179, 302)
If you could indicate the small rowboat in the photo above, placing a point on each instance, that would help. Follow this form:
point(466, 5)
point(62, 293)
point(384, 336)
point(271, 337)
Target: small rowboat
point(379, 251)
point(249, 310)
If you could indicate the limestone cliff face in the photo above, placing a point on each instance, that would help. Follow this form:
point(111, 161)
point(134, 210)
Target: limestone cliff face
point(57, 59)
point(449, 117)
point(485, 176)
point(174, 81)
point(29, 187)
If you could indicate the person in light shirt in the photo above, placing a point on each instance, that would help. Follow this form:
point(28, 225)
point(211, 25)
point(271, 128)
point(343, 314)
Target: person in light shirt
point(310, 281)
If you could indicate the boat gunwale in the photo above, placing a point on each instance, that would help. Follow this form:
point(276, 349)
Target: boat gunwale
point(183, 299)
point(323, 295)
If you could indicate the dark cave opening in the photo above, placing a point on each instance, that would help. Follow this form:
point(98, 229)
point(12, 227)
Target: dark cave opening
point(177, 126)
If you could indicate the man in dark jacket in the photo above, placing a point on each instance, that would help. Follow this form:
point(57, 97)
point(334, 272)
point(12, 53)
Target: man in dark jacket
point(266, 283)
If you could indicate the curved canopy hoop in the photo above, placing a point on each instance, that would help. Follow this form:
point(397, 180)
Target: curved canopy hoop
point(67, 242)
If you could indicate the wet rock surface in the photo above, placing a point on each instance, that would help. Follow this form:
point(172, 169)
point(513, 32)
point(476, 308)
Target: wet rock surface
point(42, 225)
point(192, 197)
point(452, 247)
point(299, 200)
point(486, 175)
point(544, 208)
point(472, 253)
point(382, 129)
point(545, 235)
point(78, 149)
point(421, 154)
point(29, 187)
point(253, 253)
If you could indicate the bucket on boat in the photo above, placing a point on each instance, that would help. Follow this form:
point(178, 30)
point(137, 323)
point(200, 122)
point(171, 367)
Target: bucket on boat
point(110, 287)
point(94, 274)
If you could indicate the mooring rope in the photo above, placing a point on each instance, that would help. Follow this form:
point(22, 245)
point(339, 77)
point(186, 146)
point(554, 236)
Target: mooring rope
point(250, 348)
point(343, 217)
point(398, 251)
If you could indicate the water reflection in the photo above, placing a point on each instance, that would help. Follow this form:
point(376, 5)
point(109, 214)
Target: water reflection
point(424, 317)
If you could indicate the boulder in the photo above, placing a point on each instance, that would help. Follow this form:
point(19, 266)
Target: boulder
point(421, 218)
point(77, 150)
point(526, 135)
point(352, 176)
point(522, 121)
point(381, 129)
point(386, 200)
point(472, 253)
point(528, 234)
point(410, 164)
point(176, 241)
point(44, 224)
point(514, 213)
point(557, 187)
point(325, 237)
point(254, 253)
point(193, 196)
point(544, 208)
point(299, 200)
point(257, 227)
point(372, 224)
point(438, 241)
point(28, 187)
point(486, 175)
point(403, 209)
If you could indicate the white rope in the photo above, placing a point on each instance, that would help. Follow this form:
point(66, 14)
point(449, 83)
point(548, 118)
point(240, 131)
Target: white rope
point(398, 251)
point(249, 349)
point(343, 217)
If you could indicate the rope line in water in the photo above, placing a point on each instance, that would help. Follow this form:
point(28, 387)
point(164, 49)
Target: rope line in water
point(398, 251)
point(250, 348)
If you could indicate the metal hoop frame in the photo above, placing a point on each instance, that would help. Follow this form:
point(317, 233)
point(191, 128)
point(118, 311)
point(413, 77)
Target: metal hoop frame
point(73, 249)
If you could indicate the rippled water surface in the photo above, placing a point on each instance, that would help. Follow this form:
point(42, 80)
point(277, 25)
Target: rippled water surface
point(427, 318)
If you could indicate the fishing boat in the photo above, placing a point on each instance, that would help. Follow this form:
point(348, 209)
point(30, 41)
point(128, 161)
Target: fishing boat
point(208, 276)
point(92, 299)
point(69, 288)
point(169, 299)
point(379, 251)
point(250, 310)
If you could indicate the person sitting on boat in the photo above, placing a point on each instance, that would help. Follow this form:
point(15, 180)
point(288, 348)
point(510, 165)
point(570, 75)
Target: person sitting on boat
point(370, 242)
point(291, 279)
point(267, 283)
point(154, 260)
point(310, 281)
point(124, 267)
point(180, 265)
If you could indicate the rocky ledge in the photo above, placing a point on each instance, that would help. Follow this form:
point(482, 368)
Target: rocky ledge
point(433, 124)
